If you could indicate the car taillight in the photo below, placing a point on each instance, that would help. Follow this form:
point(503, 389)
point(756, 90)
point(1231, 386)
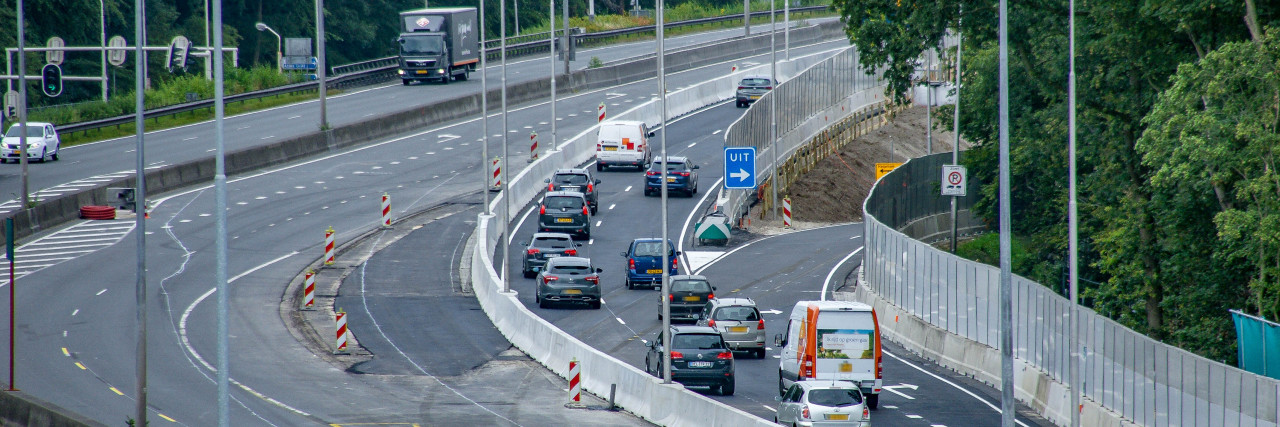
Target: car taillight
point(760, 325)
point(551, 187)
point(571, 252)
point(866, 413)
point(598, 147)
point(682, 173)
point(533, 251)
point(742, 87)
point(674, 264)
point(768, 88)
point(671, 297)
point(711, 323)
point(652, 173)
point(549, 279)
point(726, 355)
point(591, 187)
point(804, 413)
point(631, 264)
point(594, 279)
point(676, 355)
point(542, 210)
point(711, 296)
point(584, 211)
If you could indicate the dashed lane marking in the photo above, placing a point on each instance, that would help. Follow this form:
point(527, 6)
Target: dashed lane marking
point(117, 391)
point(65, 244)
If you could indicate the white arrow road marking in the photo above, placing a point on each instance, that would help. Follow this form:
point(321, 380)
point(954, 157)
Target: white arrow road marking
point(447, 137)
point(772, 311)
point(740, 175)
point(612, 95)
point(894, 389)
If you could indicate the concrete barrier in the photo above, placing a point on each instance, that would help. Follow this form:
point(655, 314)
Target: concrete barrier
point(21, 409)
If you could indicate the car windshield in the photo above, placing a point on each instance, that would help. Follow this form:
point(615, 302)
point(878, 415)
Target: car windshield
point(755, 82)
point(564, 202)
point(697, 341)
point(834, 397)
point(421, 45)
point(649, 249)
point(552, 242)
point(690, 286)
point(570, 179)
point(741, 314)
point(571, 269)
point(15, 131)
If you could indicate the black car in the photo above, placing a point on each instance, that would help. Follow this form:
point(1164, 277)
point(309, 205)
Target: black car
point(565, 212)
point(682, 176)
point(751, 88)
point(699, 357)
point(545, 246)
point(687, 296)
point(568, 279)
point(579, 180)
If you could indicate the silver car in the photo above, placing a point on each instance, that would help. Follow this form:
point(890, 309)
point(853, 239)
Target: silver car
point(739, 323)
point(42, 143)
point(823, 403)
point(568, 279)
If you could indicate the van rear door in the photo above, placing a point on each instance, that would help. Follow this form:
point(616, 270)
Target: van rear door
point(846, 345)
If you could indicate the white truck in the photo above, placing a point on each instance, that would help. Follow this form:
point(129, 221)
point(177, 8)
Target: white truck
point(832, 340)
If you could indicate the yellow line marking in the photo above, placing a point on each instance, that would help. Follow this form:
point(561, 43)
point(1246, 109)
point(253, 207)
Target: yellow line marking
point(65, 352)
point(117, 391)
point(81, 365)
point(166, 417)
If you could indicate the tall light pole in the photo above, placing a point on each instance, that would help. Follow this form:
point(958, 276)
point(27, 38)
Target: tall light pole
point(321, 65)
point(220, 224)
point(1073, 342)
point(955, 145)
point(140, 200)
point(746, 18)
point(506, 185)
point(263, 27)
point(22, 103)
point(102, 19)
point(773, 108)
point(786, 27)
point(551, 56)
point(1007, 404)
point(666, 249)
point(484, 114)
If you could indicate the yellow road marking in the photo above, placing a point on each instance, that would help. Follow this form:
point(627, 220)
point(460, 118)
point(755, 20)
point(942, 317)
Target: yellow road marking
point(166, 417)
point(117, 391)
point(81, 365)
point(65, 352)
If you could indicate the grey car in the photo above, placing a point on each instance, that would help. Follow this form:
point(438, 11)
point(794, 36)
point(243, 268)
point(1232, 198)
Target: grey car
point(738, 321)
point(565, 212)
point(579, 180)
point(699, 358)
point(544, 246)
point(823, 403)
point(751, 88)
point(687, 295)
point(568, 279)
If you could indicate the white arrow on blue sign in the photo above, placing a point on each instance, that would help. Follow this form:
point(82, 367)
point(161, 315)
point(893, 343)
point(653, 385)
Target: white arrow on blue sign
point(739, 168)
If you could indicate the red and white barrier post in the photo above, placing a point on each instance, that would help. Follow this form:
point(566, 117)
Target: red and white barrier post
point(786, 212)
point(575, 383)
point(495, 184)
point(309, 291)
point(600, 112)
point(341, 343)
point(533, 146)
point(386, 210)
point(328, 246)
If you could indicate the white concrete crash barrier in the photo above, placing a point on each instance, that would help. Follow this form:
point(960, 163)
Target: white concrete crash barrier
point(637, 391)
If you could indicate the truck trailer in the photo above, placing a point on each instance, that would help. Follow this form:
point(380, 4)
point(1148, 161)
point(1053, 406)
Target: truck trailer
point(438, 44)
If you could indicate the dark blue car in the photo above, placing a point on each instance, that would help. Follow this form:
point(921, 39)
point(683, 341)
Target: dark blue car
point(644, 262)
point(682, 177)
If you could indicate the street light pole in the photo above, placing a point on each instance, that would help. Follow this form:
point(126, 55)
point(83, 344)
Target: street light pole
point(1007, 404)
point(321, 67)
point(955, 145)
point(102, 19)
point(666, 249)
point(484, 114)
point(140, 198)
point(220, 224)
point(22, 103)
point(506, 185)
point(263, 27)
point(1073, 342)
point(551, 56)
point(773, 108)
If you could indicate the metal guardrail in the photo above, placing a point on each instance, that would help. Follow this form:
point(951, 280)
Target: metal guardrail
point(382, 69)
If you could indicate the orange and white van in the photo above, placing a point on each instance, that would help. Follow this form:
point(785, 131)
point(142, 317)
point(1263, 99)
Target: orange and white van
point(832, 340)
point(623, 143)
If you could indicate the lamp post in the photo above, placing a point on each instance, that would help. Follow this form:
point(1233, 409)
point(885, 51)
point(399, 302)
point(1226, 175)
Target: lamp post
point(263, 27)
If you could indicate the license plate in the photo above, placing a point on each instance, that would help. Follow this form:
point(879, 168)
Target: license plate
point(843, 417)
point(755, 96)
point(671, 179)
point(564, 219)
point(550, 255)
point(699, 364)
point(738, 329)
point(653, 271)
point(572, 292)
point(692, 298)
point(610, 148)
point(421, 71)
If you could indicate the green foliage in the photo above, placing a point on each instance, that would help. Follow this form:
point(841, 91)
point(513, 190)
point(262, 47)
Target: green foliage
point(595, 62)
point(986, 249)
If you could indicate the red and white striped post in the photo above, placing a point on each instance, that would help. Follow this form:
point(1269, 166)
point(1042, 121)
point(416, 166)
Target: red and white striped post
point(600, 112)
point(328, 246)
point(533, 146)
point(496, 182)
point(575, 385)
point(341, 343)
point(386, 210)
point(786, 212)
point(309, 291)
point(734, 69)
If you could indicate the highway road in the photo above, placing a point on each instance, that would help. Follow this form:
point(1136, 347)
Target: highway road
point(114, 158)
point(775, 271)
point(77, 348)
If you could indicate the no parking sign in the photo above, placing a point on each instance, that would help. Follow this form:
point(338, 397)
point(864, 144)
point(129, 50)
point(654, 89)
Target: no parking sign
point(953, 180)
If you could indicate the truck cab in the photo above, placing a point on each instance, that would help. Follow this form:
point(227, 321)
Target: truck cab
point(423, 56)
point(437, 44)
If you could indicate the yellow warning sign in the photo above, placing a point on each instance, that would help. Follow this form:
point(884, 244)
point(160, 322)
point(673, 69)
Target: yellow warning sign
point(884, 168)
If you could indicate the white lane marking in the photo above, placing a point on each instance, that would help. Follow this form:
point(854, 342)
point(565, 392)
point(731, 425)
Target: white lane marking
point(619, 319)
point(242, 128)
point(294, 117)
point(692, 144)
point(894, 389)
point(598, 223)
point(191, 138)
point(612, 95)
point(826, 282)
point(717, 132)
point(612, 205)
point(937, 425)
point(957, 387)
point(770, 409)
point(268, 137)
point(103, 291)
point(914, 417)
point(625, 190)
point(446, 137)
point(726, 254)
point(77, 311)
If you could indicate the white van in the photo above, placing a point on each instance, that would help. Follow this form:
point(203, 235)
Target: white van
point(623, 143)
point(832, 340)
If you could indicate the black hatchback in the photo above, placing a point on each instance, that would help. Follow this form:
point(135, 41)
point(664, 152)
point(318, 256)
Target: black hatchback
point(543, 247)
point(687, 296)
point(565, 212)
point(579, 180)
point(699, 357)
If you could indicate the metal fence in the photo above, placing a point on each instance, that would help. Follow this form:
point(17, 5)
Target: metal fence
point(1146, 382)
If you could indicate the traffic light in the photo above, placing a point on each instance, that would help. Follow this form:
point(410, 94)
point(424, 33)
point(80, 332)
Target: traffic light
point(51, 80)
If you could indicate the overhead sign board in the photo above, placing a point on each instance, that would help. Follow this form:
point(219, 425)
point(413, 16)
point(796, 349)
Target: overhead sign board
point(55, 56)
point(117, 56)
point(953, 180)
point(739, 168)
point(884, 168)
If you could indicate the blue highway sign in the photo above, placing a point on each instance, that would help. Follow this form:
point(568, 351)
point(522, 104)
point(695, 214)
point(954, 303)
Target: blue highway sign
point(739, 168)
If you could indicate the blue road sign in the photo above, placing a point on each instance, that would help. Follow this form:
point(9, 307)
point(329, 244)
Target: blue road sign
point(739, 168)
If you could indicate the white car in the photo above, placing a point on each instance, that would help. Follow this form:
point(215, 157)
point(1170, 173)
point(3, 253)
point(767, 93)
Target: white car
point(823, 403)
point(42, 142)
